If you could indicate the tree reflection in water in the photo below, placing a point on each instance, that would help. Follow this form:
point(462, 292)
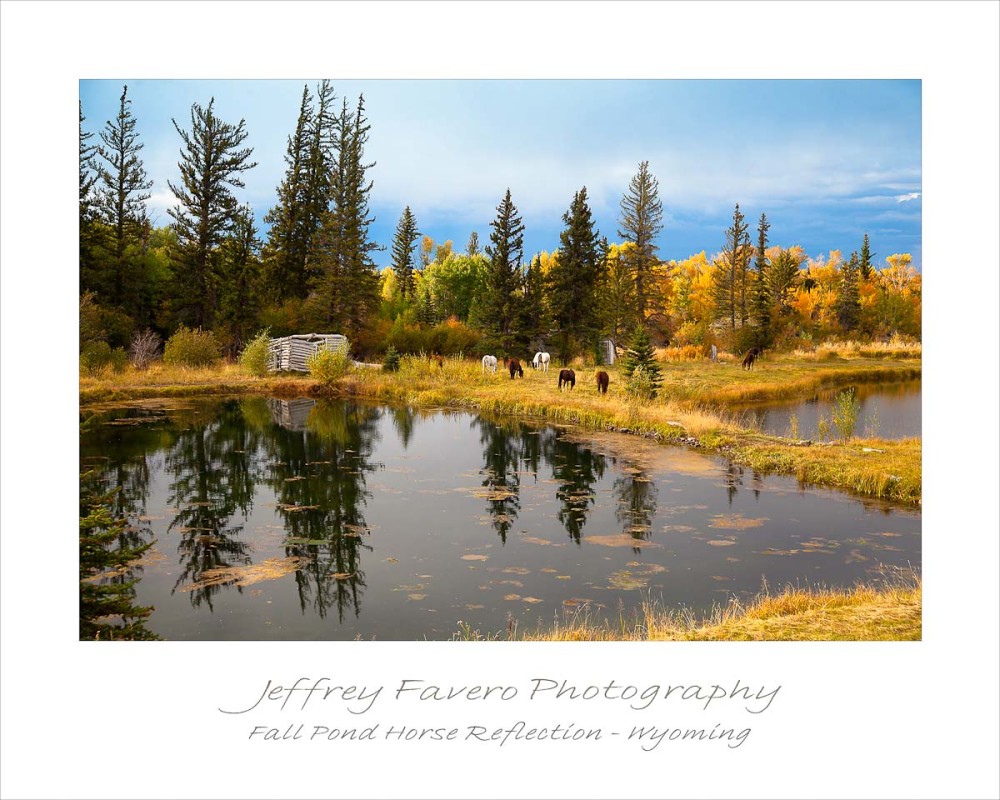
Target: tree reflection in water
point(318, 476)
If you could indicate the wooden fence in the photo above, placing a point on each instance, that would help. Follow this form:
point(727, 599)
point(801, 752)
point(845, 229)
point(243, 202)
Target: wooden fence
point(289, 353)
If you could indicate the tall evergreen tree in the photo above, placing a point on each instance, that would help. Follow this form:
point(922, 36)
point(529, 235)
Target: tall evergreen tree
point(211, 165)
point(531, 311)
point(239, 293)
point(640, 221)
point(848, 303)
point(761, 299)
point(572, 280)
point(121, 202)
point(865, 266)
point(286, 250)
point(403, 245)
point(346, 280)
point(88, 264)
point(503, 281)
point(731, 276)
point(782, 276)
point(472, 248)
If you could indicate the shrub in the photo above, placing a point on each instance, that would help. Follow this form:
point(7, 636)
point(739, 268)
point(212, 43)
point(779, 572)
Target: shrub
point(391, 362)
point(191, 348)
point(640, 355)
point(254, 358)
point(328, 366)
point(641, 384)
point(845, 413)
point(143, 348)
point(119, 360)
point(95, 356)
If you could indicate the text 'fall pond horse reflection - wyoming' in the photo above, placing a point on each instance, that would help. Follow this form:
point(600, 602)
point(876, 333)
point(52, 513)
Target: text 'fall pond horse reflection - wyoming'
point(275, 519)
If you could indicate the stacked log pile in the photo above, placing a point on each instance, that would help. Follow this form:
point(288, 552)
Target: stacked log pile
point(289, 353)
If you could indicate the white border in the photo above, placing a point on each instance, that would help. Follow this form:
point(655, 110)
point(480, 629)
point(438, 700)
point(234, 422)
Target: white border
point(136, 720)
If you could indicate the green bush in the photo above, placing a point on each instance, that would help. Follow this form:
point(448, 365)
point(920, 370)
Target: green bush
point(391, 362)
point(191, 348)
point(119, 360)
point(254, 358)
point(328, 366)
point(95, 357)
point(641, 384)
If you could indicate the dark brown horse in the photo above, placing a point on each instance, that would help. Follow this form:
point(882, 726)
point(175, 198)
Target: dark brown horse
point(752, 355)
point(568, 377)
point(515, 367)
point(602, 382)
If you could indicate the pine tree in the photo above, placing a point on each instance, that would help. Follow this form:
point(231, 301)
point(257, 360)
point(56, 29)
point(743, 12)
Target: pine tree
point(782, 276)
point(848, 303)
point(865, 267)
point(346, 279)
point(531, 310)
point(403, 245)
point(640, 354)
point(240, 279)
point(286, 250)
point(506, 251)
point(731, 276)
point(88, 263)
point(761, 299)
point(472, 248)
point(121, 202)
point(640, 222)
point(572, 280)
point(211, 163)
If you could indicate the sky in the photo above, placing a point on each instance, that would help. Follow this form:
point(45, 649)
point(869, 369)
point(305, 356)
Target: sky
point(825, 160)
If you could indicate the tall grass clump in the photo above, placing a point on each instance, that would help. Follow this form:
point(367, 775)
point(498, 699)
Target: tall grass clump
point(845, 413)
point(254, 358)
point(328, 366)
point(191, 348)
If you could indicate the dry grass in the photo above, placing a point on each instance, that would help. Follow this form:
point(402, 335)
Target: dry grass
point(888, 611)
point(897, 347)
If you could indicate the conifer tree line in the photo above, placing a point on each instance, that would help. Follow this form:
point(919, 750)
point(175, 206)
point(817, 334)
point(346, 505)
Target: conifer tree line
point(314, 270)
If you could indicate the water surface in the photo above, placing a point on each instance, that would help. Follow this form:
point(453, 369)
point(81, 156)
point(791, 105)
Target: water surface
point(888, 411)
point(301, 520)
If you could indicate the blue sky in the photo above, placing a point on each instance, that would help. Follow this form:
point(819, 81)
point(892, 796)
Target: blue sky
point(826, 160)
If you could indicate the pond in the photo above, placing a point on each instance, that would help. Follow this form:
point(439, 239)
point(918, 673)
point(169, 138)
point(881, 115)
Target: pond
point(303, 520)
point(888, 411)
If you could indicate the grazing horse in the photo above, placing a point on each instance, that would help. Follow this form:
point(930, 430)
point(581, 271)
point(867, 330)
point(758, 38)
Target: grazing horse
point(568, 377)
point(515, 368)
point(541, 360)
point(752, 355)
point(602, 382)
point(490, 363)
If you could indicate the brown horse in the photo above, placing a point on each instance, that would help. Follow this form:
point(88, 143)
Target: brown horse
point(568, 377)
point(752, 355)
point(602, 382)
point(515, 368)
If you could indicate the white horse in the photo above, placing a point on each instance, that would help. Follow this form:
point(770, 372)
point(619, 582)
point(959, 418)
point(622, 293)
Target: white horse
point(541, 360)
point(489, 363)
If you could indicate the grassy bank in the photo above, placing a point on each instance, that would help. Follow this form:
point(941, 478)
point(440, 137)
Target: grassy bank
point(874, 467)
point(887, 612)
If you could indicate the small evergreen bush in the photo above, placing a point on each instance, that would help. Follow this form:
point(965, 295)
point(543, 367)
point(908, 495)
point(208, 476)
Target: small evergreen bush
point(640, 355)
point(191, 348)
point(391, 362)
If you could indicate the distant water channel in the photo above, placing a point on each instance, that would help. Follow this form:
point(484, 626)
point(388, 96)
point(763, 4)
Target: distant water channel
point(302, 520)
point(888, 411)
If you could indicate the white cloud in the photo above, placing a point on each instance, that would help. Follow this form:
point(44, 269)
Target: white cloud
point(904, 198)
